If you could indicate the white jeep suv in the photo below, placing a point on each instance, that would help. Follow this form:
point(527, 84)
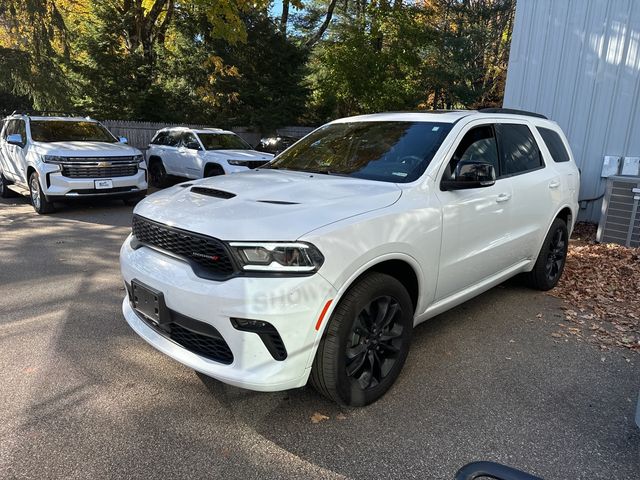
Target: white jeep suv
point(65, 158)
point(319, 265)
point(197, 153)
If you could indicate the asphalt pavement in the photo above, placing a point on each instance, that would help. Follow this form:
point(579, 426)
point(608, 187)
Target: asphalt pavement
point(81, 396)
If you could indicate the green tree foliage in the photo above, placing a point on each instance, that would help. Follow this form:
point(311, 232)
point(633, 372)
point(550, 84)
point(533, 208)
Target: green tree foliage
point(437, 54)
point(33, 44)
point(232, 62)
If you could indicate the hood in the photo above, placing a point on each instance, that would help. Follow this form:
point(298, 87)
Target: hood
point(238, 154)
point(85, 149)
point(266, 204)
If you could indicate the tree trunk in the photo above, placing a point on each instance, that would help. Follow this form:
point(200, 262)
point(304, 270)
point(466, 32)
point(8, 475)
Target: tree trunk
point(284, 17)
point(327, 20)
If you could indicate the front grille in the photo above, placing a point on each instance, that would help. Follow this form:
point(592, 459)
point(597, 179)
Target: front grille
point(207, 342)
point(256, 163)
point(95, 191)
point(208, 256)
point(94, 171)
point(251, 163)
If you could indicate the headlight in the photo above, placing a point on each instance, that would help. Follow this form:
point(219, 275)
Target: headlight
point(140, 160)
point(53, 159)
point(294, 257)
point(240, 163)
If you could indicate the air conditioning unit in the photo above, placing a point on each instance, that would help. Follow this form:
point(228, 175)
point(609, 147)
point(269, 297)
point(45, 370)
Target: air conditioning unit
point(620, 220)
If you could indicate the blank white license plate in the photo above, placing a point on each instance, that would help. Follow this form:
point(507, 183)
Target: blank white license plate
point(100, 184)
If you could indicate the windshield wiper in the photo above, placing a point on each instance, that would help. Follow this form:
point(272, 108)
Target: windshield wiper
point(325, 171)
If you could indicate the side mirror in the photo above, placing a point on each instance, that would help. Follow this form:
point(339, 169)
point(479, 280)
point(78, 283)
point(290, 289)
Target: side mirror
point(123, 139)
point(471, 175)
point(15, 139)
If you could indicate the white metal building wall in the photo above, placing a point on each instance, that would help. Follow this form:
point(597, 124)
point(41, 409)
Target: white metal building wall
point(578, 62)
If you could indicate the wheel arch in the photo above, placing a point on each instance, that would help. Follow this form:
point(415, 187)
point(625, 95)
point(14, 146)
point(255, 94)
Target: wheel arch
point(211, 165)
point(394, 264)
point(31, 169)
point(567, 214)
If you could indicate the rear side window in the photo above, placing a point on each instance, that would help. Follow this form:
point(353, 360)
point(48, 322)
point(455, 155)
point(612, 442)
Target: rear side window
point(519, 152)
point(555, 144)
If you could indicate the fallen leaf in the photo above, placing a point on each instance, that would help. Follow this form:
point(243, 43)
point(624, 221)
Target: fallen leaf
point(318, 417)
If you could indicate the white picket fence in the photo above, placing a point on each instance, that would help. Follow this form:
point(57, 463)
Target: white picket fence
point(139, 134)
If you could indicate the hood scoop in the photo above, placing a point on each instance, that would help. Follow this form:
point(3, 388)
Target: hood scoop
point(278, 202)
point(212, 192)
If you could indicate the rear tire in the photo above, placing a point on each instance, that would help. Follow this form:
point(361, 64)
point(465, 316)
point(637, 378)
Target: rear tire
point(38, 199)
point(365, 343)
point(5, 191)
point(158, 174)
point(552, 257)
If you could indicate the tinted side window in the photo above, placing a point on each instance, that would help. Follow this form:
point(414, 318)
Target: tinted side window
point(477, 145)
point(21, 128)
point(159, 139)
point(519, 151)
point(173, 138)
point(11, 128)
point(554, 144)
point(190, 141)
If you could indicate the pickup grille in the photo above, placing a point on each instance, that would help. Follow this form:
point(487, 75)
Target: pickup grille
point(208, 256)
point(252, 163)
point(99, 169)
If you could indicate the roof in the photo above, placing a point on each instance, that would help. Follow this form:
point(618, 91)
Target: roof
point(442, 116)
point(54, 118)
point(197, 130)
point(449, 116)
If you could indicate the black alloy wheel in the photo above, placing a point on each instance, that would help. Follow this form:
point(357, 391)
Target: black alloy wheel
point(557, 255)
point(375, 343)
point(552, 257)
point(365, 342)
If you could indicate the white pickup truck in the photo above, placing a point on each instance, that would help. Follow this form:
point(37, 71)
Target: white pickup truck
point(55, 159)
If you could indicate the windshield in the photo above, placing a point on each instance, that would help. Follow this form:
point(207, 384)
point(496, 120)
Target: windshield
point(223, 141)
point(387, 151)
point(69, 131)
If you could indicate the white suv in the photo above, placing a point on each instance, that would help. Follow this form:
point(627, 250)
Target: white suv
point(320, 265)
point(197, 153)
point(65, 158)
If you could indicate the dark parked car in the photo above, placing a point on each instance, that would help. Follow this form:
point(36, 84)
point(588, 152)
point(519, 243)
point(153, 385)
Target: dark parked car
point(276, 144)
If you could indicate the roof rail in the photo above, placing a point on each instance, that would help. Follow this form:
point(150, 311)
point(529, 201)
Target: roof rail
point(45, 113)
point(512, 111)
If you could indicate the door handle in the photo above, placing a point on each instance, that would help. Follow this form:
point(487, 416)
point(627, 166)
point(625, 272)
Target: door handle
point(554, 184)
point(503, 197)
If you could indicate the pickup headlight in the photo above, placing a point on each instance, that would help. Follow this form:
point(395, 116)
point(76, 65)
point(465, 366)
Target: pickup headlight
point(53, 159)
point(140, 160)
point(277, 257)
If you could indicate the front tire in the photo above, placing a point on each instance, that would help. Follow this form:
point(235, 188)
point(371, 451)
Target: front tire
point(158, 174)
point(38, 199)
point(365, 343)
point(552, 257)
point(5, 191)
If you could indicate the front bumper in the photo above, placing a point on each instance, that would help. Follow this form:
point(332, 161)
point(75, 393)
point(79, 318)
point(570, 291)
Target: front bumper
point(291, 304)
point(55, 186)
